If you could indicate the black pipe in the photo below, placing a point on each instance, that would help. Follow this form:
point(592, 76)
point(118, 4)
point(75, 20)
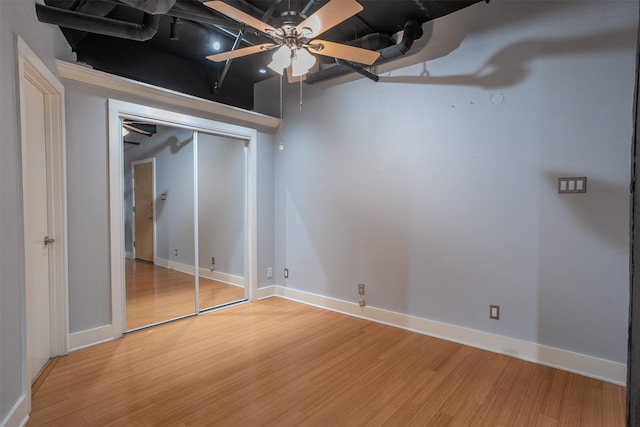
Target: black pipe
point(154, 7)
point(358, 70)
point(227, 63)
point(194, 11)
point(98, 24)
point(412, 32)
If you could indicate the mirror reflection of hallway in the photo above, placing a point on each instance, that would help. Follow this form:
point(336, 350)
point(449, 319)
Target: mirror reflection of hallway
point(162, 287)
point(197, 188)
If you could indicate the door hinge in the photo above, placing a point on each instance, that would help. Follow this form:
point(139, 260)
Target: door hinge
point(134, 243)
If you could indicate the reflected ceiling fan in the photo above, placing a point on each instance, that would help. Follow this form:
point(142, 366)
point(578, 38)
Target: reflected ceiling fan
point(295, 43)
point(146, 129)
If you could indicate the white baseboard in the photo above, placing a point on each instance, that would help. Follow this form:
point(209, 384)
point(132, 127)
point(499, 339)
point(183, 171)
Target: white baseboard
point(90, 337)
point(266, 292)
point(19, 414)
point(582, 364)
point(174, 265)
point(229, 279)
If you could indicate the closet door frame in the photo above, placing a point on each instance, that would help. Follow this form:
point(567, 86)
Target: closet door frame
point(118, 110)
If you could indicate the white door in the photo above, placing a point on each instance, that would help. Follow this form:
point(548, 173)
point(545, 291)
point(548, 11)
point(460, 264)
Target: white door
point(36, 249)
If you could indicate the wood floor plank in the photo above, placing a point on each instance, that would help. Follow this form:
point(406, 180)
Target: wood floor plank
point(156, 294)
point(280, 363)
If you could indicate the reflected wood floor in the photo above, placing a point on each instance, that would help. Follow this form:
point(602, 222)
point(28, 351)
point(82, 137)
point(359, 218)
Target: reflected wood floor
point(279, 363)
point(155, 294)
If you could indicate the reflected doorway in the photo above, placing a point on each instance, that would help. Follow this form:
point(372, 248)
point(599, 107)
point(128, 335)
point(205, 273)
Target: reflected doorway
point(143, 200)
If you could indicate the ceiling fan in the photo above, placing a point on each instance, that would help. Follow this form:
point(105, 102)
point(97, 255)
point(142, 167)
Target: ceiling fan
point(294, 43)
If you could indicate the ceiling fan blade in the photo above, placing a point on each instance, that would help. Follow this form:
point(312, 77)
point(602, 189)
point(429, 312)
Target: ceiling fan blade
point(328, 16)
point(232, 54)
point(147, 129)
point(343, 51)
point(240, 16)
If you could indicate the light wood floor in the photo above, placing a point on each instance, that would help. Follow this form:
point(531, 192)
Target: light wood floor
point(156, 294)
point(281, 363)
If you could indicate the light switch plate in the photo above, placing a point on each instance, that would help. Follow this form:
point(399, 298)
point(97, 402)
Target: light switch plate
point(494, 312)
point(576, 184)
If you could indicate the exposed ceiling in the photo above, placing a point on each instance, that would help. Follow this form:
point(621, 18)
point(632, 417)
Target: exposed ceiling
point(166, 42)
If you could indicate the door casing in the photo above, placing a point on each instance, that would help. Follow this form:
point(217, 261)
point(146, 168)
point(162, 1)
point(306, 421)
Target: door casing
point(36, 230)
point(118, 110)
point(32, 69)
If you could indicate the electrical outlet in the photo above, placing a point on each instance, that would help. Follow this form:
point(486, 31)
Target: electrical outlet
point(286, 273)
point(494, 312)
point(361, 289)
point(175, 251)
point(269, 273)
point(213, 260)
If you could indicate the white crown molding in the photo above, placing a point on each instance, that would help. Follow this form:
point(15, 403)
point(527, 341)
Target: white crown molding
point(582, 364)
point(104, 80)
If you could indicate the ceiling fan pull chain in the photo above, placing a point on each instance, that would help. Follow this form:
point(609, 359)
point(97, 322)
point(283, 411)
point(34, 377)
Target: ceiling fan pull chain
point(301, 94)
point(281, 77)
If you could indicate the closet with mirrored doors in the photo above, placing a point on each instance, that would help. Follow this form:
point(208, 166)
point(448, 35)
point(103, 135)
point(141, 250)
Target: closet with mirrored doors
point(184, 222)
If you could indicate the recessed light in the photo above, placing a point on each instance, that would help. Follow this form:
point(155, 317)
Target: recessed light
point(216, 45)
point(262, 71)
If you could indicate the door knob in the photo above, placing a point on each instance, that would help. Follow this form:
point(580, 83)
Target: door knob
point(48, 240)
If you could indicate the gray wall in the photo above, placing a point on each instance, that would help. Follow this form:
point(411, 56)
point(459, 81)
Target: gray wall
point(437, 186)
point(266, 209)
point(16, 17)
point(221, 194)
point(89, 277)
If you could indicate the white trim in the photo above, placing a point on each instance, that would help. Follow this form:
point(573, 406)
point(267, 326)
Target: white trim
point(31, 68)
point(90, 337)
point(131, 87)
point(265, 292)
point(229, 279)
point(582, 364)
point(174, 265)
point(118, 109)
point(196, 221)
point(251, 218)
point(19, 414)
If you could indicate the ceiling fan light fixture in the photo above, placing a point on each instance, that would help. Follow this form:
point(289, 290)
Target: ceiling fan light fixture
point(281, 59)
point(302, 63)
